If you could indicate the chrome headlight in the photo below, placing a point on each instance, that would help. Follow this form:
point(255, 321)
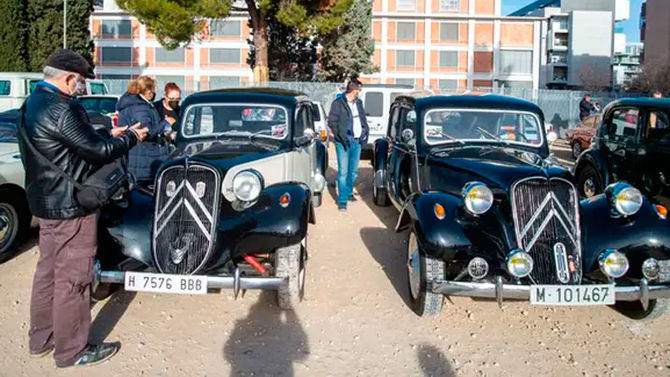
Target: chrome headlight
point(625, 199)
point(247, 185)
point(613, 263)
point(519, 263)
point(651, 269)
point(477, 197)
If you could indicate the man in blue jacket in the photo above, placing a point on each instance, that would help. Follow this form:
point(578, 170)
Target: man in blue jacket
point(349, 125)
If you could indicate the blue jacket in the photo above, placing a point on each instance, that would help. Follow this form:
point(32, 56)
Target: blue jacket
point(145, 158)
point(341, 121)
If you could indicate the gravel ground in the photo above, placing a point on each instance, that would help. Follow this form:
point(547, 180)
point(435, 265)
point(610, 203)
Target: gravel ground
point(354, 321)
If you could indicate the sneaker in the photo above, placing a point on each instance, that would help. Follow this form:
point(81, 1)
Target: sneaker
point(342, 207)
point(42, 353)
point(96, 354)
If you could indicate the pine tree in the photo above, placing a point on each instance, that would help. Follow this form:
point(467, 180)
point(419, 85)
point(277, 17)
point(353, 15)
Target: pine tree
point(13, 35)
point(347, 51)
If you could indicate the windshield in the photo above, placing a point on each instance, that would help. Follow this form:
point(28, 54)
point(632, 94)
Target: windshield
point(236, 119)
point(100, 105)
point(508, 127)
point(7, 132)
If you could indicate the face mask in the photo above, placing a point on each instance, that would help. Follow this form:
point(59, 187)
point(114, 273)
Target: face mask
point(173, 104)
point(80, 89)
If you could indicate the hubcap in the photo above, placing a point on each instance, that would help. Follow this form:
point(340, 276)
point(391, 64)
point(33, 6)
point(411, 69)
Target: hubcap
point(413, 266)
point(374, 191)
point(589, 187)
point(576, 150)
point(7, 225)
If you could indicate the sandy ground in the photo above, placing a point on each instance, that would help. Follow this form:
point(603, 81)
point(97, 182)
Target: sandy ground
point(354, 321)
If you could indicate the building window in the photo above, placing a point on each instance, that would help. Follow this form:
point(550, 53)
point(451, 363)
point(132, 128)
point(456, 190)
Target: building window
point(216, 82)
point(224, 55)
point(515, 84)
point(409, 82)
point(404, 58)
point(167, 56)
point(162, 80)
point(448, 31)
point(115, 77)
point(447, 84)
point(450, 5)
point(516, 62)
point(406, 4)
point(221, 28)
point(448, 59)
point(405, 30)
point(116, 28)
point(5, 88)
point(117, 54)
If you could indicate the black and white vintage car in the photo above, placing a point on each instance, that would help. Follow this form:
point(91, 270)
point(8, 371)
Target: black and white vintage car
point(491, 216)
point(231, 207)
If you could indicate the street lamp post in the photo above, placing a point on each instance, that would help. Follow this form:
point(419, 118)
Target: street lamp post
point(64, 23)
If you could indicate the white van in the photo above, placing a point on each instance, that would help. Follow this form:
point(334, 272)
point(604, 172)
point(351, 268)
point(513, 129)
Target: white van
point(377, 100)
point(320, 122)
point(16, 86)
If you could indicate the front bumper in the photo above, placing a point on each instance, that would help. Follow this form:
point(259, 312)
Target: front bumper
point(499, 291)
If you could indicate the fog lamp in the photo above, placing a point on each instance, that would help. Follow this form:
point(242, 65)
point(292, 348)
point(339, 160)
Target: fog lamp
point(613, 263)
point(651, 269)
point(478, 268)
point(519, 263)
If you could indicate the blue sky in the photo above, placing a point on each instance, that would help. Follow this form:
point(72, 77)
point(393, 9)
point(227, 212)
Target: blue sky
point(631, 26)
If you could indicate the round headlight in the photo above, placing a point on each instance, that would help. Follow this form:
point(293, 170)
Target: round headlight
point(478, 268)
point(247, 185)
point(613, 263)
point(519, 263)
point(477, 197)
point(625, 198)
point(651, 269)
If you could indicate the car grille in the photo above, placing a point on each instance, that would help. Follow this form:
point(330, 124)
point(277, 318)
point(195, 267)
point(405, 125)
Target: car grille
point(546, 220)
point(187, 198)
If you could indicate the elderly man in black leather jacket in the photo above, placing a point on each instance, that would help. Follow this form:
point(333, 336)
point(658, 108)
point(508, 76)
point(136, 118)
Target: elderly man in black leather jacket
point(58, 128)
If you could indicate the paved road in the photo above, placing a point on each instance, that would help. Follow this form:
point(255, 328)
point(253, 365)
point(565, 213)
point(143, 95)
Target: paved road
point(353, 322)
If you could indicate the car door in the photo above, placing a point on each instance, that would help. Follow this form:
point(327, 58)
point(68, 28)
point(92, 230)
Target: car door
point(393, 152)
point(304, 159)
point(405, 169)
point(620, 142)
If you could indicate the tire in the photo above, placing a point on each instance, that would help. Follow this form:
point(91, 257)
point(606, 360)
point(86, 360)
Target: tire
point(317, 200)
point(633, 309)
point(576, 149)
point(290, 263)
point(14, 222)
point(104, 290)
point(589, 182)
point(380, 196)
point(424, 302)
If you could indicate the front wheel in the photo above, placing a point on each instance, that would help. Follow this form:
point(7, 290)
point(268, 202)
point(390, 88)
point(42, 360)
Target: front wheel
point(633, 309)
point(14, 222)
point(380, 196)
point(421, 272)
point(589, 182)
point(576, 149)
point(290, 263)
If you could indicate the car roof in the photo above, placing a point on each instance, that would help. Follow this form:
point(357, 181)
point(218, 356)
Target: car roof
point(469, 100)
point(21, 75)
point(641, 101)
point(243, 95)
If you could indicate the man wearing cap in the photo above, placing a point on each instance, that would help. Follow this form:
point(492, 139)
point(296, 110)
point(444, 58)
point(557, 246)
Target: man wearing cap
point(57, 127)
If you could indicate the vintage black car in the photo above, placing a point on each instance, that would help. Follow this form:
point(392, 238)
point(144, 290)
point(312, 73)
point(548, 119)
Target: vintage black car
point(632, 144)
point(490, 214)
point(231, 207)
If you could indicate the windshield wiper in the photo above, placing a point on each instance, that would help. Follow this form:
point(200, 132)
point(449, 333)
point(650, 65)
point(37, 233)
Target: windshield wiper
point(450, 138)
point(492, 136)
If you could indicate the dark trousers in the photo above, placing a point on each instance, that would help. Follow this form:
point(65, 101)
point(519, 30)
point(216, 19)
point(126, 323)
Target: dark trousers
point(60, 313)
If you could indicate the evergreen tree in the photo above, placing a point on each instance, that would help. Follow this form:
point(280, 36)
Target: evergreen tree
point(13, 35)
point(347, 51)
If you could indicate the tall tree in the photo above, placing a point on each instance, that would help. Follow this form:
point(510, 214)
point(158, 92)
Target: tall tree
point(653, 77)
point(176, 22)
point(13, 35)
point(45, 29)
point(348, 49)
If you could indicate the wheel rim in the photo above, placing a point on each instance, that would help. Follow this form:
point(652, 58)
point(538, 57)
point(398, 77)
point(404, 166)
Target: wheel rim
point(8, 225)
point(589, 187)
point(413, 266)
point(374, 191)
point(576, 150)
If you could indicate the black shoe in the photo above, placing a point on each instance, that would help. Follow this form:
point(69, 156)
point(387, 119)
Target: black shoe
point(342, 207)
point(42, 353)
point(352, 198)
point(96, 354)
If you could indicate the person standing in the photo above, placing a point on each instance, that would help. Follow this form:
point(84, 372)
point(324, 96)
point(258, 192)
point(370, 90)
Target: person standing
point(168, 107)
point(586, 107)
point(55, 127)
point(349, 125)
point(136, 106)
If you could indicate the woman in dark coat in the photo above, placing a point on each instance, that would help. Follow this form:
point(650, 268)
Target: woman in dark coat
point(136, 106)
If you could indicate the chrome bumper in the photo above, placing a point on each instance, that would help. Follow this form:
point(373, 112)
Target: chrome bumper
point(499, 291)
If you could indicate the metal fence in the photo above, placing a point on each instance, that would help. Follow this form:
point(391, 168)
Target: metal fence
point(560, 107)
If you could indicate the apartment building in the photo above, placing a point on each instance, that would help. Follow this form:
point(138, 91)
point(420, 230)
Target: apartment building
point(655, 31)
point(627, 64)
point(446, 44)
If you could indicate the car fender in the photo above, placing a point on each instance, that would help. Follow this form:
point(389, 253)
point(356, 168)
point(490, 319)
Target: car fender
point(379, 157)
point(643, 235)
point(437, 238)
point(597, 161)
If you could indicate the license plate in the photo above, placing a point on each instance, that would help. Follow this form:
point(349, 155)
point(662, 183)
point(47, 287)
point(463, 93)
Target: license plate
point(164, 283)
point(572, 294)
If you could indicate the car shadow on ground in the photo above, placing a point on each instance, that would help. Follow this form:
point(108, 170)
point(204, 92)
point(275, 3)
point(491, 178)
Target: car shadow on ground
point(267, 342)
point(109, 316)
point(433, 362)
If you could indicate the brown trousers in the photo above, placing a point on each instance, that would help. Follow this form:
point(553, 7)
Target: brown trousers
point(60, 313)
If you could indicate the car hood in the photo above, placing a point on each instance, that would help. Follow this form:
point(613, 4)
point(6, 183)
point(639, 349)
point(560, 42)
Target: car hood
point(224, 154)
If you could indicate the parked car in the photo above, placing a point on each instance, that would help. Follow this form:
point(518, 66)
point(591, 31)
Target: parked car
point(16, 86)
point(15, 215)
point(377, 99)
point(632, 144)
point(583, 133)
point(490, 215)
point(231, 207)
point(101, 110)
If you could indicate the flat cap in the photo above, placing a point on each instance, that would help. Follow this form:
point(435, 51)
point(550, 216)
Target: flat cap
point(70, 61)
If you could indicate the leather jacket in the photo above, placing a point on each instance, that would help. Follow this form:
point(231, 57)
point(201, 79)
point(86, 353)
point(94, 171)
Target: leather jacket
point(58, 127)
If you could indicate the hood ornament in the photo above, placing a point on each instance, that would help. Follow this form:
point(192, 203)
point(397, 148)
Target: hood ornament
point(180, 246)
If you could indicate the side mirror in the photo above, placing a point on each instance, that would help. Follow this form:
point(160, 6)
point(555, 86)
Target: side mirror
point(407, 135)
point(306, 138)
point(551, 137)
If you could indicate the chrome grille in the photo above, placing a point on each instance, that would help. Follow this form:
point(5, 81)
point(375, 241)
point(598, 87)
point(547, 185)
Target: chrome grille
point(546, 220)
point(187, 198)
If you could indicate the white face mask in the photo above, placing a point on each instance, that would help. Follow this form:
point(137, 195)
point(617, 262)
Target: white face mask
point(80, 89)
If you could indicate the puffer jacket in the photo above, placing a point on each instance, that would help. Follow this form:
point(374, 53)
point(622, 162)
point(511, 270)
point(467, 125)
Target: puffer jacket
point(58, 127)
point(145, 158)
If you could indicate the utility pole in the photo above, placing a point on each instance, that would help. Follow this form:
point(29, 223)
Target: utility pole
point(64, 23)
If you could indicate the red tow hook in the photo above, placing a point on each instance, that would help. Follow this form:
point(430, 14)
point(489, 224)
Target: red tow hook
point(254, 263)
